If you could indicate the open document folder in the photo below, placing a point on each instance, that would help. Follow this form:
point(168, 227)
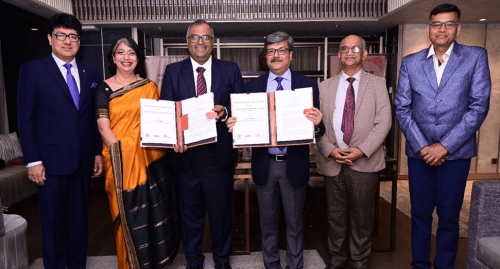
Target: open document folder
point(272, 119)
point(166, 123)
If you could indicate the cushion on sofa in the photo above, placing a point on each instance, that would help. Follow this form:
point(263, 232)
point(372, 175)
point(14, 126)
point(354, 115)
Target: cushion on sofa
point(488, 251)
point(10, 148)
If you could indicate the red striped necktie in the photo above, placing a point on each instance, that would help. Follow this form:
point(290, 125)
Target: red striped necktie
point(348, 116)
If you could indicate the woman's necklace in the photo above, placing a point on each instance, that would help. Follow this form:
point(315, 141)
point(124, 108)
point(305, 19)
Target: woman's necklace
point(122, 83)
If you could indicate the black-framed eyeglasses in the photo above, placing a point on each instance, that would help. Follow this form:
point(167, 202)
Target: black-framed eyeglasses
point(123, 53)
point(281, 51)
point(195, 38)
point(354, 49)
point(62, 36)
point(447, 25)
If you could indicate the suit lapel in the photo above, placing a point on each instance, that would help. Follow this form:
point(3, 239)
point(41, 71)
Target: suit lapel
point(294, 81)
point(83, 83)
point(215, 76)
point(430, 73)
point(55, 72)
point(188, 78)
point(452, 64)
point(363, 84)
point(332, 97)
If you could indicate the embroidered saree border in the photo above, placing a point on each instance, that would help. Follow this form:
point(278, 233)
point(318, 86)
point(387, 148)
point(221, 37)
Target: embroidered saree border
point(129, 87)
point(117, 164)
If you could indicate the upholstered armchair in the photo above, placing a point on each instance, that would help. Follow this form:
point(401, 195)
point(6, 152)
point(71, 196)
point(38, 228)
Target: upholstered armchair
point(483, 245)
point(13, 246)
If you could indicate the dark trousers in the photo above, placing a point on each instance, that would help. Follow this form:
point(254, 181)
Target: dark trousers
point(64, 220)
point(278, 189)
point(441, 187)
point(350, 193)
point(205, 186)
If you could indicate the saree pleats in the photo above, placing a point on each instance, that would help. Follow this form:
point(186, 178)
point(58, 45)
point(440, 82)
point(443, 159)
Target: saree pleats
point(140, 186)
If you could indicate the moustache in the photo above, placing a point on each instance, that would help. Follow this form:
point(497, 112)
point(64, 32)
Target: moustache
point(200, 47)
point(276, 60)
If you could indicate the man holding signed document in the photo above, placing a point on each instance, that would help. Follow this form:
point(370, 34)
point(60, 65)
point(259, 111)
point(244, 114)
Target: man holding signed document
point(281, 171)
point(204, 174)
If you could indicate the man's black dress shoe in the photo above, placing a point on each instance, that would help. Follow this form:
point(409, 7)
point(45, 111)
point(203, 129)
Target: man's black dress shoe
point(331, 266)
point(416, 267)
point(194, 267)
point(223, 266)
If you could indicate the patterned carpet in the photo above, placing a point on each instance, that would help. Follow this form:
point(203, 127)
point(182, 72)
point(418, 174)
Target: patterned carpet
point(312, 260)
point(403, 203)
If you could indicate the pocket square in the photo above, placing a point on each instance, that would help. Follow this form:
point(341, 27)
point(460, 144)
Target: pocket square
point(93, 85)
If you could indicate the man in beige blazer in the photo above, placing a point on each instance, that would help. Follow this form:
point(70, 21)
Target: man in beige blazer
point(357, 118)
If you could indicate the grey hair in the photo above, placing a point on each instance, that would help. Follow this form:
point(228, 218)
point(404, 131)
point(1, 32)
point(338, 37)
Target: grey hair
point(364, 43)
point(119, 41)
point(200, 22)
point(277, 37)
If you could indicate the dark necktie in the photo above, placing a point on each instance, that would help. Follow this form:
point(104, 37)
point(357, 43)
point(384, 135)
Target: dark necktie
point(348, 116)
point(280, 88)
point(73, 88)
point(201, 85)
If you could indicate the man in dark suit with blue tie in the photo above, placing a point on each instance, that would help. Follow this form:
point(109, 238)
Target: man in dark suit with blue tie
point(282, 172)
point(204, 174)
point(442, 99)
point(60, 141)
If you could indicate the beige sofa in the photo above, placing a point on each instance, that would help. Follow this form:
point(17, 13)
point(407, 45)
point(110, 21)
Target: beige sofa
point(15, 184)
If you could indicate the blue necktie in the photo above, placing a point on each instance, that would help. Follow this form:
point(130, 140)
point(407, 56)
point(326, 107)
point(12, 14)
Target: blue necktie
point(280, 88)
point(73, 88)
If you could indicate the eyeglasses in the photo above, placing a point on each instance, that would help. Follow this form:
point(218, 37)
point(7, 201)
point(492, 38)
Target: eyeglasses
point(62, 36)
point(195, 38)
point(354, 49)
point(447, 25)
point(281, 51)
point(123, 53)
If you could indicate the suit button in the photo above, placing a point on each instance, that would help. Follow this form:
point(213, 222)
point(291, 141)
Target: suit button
point(436, 123)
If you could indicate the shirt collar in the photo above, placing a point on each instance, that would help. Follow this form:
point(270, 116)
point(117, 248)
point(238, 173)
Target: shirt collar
point(447, 53)
point(61, 63)
point(206, 65)
point(287, 75)
point(344, 76)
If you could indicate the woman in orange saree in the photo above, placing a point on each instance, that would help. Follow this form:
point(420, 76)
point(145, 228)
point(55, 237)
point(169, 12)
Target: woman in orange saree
point(141, 191)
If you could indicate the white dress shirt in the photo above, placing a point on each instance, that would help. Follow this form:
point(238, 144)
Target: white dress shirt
point(74, 71)
point(338, 111)
point(440, 68)
point(207, 74)
point(272, 85)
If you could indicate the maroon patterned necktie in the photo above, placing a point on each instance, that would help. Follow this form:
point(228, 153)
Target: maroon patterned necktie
point(201, 85)
point(348, 117)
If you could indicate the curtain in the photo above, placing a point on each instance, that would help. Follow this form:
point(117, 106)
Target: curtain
point(155, 67)
point(4, 120)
